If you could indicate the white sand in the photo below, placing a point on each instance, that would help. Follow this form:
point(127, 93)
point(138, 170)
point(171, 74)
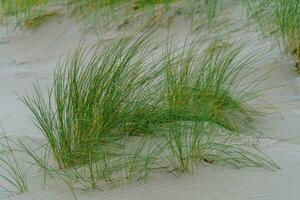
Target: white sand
point(208, 183)
point(33, 56)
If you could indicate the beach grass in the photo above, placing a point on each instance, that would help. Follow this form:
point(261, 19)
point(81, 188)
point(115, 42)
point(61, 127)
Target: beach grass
point(280, 19)
point(116, 112)
point(29, 13)
point(32, 13)
point(92, 99)
point(204, 84)
point(13, 174)
point(123, 109)
point(188, 145)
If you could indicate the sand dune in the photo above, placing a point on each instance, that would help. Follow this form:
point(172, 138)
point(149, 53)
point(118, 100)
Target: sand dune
point(32, 56)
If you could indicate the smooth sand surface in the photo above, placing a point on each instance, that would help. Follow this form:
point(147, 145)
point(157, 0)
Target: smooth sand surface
point(32, 56)
point(207, 183)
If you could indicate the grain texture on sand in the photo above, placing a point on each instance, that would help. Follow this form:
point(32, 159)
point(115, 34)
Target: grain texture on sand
point(33, 57)
point(208, 183)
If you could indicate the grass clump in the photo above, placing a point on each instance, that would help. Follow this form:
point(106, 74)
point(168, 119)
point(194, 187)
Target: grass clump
point(13, 176)
point(25, 12)
point(32, 13)
point(103, 13)
point(206, 90)
point(93, 98)
point(117, 113)
point(14, 7)
point(189, 144)
point(280, 18)
point(154, 12)
point(205, 84)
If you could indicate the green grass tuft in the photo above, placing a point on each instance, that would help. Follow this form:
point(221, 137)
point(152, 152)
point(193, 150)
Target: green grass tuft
point(116, 112)
point(281, 19)
point(26, 12)
point(13, 175)
point(32, 13)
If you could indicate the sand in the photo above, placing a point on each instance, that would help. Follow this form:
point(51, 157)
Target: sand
point(30, 56)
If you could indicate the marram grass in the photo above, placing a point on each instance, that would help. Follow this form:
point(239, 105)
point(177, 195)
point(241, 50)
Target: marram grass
point(32, 13)
point(92, 98)
point(188, 144)
point(209, 84)
point(280, 18)
point(117, 113)
point(13, 175)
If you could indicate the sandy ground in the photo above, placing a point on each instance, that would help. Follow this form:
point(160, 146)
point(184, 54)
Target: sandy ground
point(32, 56)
